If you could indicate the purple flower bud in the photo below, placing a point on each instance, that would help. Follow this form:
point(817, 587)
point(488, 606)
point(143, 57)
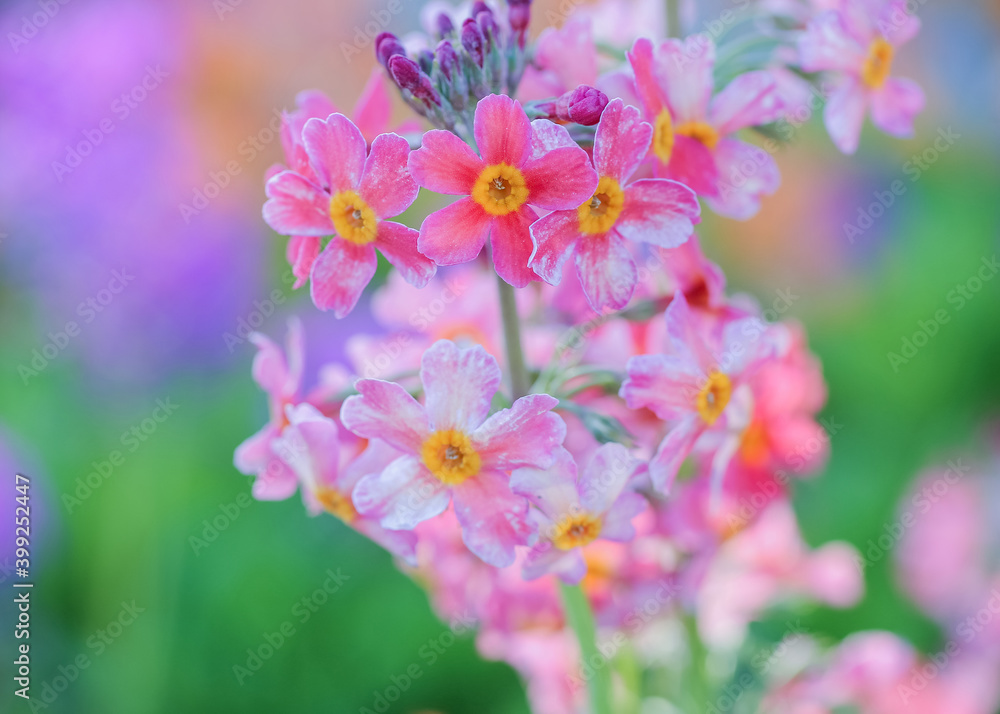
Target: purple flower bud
point(447, 57)
point(585, 105)
point(387, 45)
point(478, 7)
point(488, 26)
point(519, 14)
point(425, 58)
point(444, 25)
point(473, 41)
point(408, 76)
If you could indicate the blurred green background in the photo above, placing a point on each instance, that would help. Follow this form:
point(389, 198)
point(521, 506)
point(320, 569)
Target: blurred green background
point(206, 594)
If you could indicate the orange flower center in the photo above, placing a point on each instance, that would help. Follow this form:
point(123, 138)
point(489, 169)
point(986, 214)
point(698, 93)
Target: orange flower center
point(576, 531)
point(500, 189)
point(450, 456)
point(714, 396)
point(598, 215)
point(336, 503)
point(353, 219)
point(878, 64)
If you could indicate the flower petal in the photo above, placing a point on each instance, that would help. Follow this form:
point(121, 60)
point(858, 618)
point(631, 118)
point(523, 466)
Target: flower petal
point(384, 410)
point(527, 434)
point(827, 44)
point(658, 211)
point(310, 445)
point(621, 142)
point(844, 115)
point(553, 237)
point(398, 243)
point(445, 164)
point(402, 544)
point(456, 233)
point(617, 523)
point(684, 68)
point(675, 447)
point(896, 105)
point(746, 173)
point(301, 252)
point(386, 184)
point(493, 519)
point(560, 179)
point(693, 164)
point(545, 559)
point(607, 271)
point(666, 384)
point(552, 490)
point(749, 100)
point(297, 206)
point(502, 131)
point(512, 246)
point(459, 385)
point(647, 84)
point(340, 275)
point(336, 151)
point(605, 477)
point(404, 495)
point(374, 108)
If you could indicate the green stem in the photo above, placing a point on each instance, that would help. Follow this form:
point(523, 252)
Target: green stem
point(699, 675)
point(519, 382)
point(581, 619)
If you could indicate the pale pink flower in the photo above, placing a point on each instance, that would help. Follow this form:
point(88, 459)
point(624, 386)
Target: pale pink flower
point(454, 449)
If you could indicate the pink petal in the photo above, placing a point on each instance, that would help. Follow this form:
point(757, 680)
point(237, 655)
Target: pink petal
point(621, 142)
point(252, 455)
point(492, 518)
point(336, 151)
point(404, 495)
point(605, 477)
point(684, 68)
point(398, 243)
point(310, 445)
point(746, 173)
point(647, 84)
point(552, 490)
point(456, 233)
point(512, 246)
point(459, 385)
point(685, 332)
point(340, 275)
point(374, 107)
point(296, 206)
point(527, 434)
point(693, 164)
point(658, 211)
point(502, 131)
point(563, 178)
point(607, 271)
point(445, 164)
point(545, 559)
point(674, 448)
point(270, 370)
point(665, 383)
point(554, 238)
point(301, 253)
point(275, 483)
point(386, 184)
point(895, 106)
point(546, 136)
point(751, 99)
point(900, 25)
point(384, 410)
point(617, 523)
point(844, 115)
point(402, 544)
point(828, 45)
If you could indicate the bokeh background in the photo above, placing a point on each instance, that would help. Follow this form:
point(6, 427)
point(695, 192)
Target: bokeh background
point(159, 292)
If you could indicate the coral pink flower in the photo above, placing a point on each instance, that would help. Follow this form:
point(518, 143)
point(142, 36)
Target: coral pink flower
point(281, 379)
point(653, 211)
point(454, 449)
point(858, 42)
point(693, 382)
point(347, 195)
point(523, 164)
point(692, 130)
point(311, 446)
point(574, 512)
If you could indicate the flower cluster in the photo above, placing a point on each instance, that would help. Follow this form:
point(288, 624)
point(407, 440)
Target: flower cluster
point(644, 442)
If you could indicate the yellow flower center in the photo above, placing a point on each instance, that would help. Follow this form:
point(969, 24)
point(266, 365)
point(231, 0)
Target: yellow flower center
point(450, 456)
point(500, 189)
point(576, 531)
point(714, 396)
point(336, 503)
point(700, 131)
point(599, 214)
point(353, 218)
point(878, 64)
point(663, 136)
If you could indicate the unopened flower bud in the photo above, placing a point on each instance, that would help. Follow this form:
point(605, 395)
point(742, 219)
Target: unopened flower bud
point(478, 7)
point(425, 58)
point(408, 76)
point(488, 26)
point(519, 14)
point(447, 58)
point(473, 41)
point(444, 25)
point(583, 105)
point(387, 45)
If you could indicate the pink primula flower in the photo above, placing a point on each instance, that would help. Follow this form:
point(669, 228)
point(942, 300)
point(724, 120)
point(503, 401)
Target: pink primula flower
point(348, 195)
point(692, 385)
point(280, 376)
point(523, 164)
point(311, 446)
point(574, 512)
point(454, 449)
point(858, 42)
point(653, 211)
point(692, 130)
